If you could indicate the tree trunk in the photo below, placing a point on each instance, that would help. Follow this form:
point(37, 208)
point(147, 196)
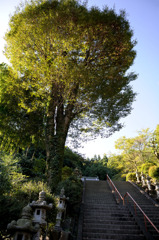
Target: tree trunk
point(57, 125)
point(56, 133)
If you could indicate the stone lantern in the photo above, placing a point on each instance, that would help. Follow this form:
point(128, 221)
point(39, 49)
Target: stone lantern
point(39, 212)
point(157, 189)
point(61, 209)
point(149, 183)
point(77, 173)
point(137, 176)
point(23, 228)
point(143, 180)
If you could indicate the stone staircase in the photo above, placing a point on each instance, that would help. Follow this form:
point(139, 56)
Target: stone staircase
point(103, 218)
point(146, 203)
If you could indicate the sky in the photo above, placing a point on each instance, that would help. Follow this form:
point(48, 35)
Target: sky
point(143, 16)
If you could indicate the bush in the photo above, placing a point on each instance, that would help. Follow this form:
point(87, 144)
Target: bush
point(154, 172)
point(145, 167)
point(131, 177)
point(66, 172)
point(11, 205)
point(30, 192)
point(119, 177)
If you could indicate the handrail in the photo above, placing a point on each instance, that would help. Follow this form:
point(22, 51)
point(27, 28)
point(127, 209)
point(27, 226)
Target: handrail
point(135, 204)
point(114, 188)
point(144, 214)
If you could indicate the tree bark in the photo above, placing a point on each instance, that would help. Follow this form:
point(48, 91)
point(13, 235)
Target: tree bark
point(56, 132)
point(57, 126)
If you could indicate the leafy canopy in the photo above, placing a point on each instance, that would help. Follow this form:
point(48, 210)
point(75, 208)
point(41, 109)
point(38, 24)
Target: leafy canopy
point(63, 54)
point(136, 151)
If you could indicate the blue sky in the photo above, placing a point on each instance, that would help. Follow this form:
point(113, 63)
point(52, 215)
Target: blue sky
point(143, 16)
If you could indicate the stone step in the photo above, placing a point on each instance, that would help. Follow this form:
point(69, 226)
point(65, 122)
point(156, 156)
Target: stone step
point(110, 231)
point(104, 219)
point(107, 210)
point(98, 201)
point(110, 215)
point(105, 205)
point(123, 236)
point(100, 206)
point(107, 222)
point(109, 226)
point(123, 219)
point(145, 203)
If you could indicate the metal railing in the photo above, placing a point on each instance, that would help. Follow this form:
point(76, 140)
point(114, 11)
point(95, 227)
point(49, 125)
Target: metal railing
point(136, 206)
point(115, 190)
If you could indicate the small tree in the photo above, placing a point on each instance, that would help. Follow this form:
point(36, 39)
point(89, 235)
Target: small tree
point(135, 151)
point(154, 142)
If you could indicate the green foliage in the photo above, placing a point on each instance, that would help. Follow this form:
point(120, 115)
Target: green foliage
point(96, 169)
point(68, 71)
point(30, 192)
point(136, 150)
point(11, 203)
point(17, 126)
point(32, 162)
point(115, 166)
point(10, 173)
point(119, 177)
point(66, 172)
point(72, 159)
point(5, 181)
point(131, 177)
point(10, 209)
point(154, 142)
point(145, 167)
point(154, 172)
point(96, 166)
point(16, 191)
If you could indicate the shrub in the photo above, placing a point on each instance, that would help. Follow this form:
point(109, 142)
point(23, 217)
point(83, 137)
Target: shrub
point(66, 172)
point(154, 172)
point(145, 167)
point(131, 177)
point(11, 205)
point(30, 192)
point(119, 177)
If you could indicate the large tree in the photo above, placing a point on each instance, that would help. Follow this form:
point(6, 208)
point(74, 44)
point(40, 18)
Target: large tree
point(70, 64)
